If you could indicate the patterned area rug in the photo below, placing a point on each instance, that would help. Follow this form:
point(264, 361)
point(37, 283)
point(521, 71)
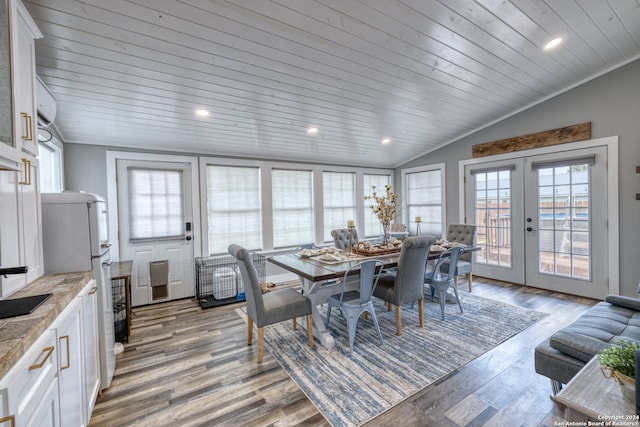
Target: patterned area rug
point(350, 391)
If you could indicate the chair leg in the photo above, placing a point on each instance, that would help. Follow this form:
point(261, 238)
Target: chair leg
point(455, 291)
point(310, 330)
point(455, 280)
point(352, 324)
point(442, 297)
point(326, 322)
point(388, 306)
point(470, 281)
point(421, 312)
point(398, 321)
point(375, 322)
point(249, 330)
point(260, 344)
point(295, 323)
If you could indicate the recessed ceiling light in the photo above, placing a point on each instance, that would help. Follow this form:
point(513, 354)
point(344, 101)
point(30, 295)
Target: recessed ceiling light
point(202, 113)
point(386, 141)
point(553, 43)
point(312, 130)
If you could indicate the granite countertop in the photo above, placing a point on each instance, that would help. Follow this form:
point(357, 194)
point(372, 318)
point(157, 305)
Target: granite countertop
point(17, 334)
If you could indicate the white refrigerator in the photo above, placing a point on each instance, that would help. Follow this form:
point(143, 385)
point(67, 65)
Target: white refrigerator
point(75, 238)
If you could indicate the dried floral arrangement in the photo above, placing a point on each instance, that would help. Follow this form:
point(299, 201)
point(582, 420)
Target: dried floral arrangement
point(385, 205)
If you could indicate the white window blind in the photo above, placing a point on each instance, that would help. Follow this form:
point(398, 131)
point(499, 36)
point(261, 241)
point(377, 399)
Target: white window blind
point(339, 198)
point(156, 204)
point(234, 207)
point(292, 193)
point(424, 199)
point(372, 226)
point(50, 171)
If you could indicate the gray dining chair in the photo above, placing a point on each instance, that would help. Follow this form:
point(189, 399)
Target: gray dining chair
point(406, 284)
point(341, 237)
point(273, 307)
point(440, 282)
point(465, 234)
point(354, 303)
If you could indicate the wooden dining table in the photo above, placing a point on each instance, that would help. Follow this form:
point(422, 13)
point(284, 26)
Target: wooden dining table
point(321, 279)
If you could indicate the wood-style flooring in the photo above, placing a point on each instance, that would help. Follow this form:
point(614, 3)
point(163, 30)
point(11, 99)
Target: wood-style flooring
point(184, 366)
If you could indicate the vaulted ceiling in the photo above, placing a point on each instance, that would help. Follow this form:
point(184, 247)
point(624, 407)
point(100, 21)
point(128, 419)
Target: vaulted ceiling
point(422, 73)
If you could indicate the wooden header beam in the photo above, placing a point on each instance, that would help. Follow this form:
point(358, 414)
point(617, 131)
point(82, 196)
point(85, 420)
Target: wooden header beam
point(579, 132)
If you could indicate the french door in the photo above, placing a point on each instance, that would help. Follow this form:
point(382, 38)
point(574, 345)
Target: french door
point(542, 220)
point(156, 226)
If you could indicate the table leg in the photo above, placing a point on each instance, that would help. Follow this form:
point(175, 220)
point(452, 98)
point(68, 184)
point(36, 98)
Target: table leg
point(319, 331)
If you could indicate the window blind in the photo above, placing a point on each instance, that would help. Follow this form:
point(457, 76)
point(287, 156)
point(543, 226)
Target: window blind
point(339, 199)
point(156, 204)
point(233, 207)
point(424, 199)
point(292, 194)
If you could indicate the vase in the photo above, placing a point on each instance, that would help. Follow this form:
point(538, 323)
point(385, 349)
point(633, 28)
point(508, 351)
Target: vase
point(385, 233)
point(627, 384)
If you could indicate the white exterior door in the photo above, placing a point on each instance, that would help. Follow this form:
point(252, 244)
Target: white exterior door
point(543, 220)
point(566, 222)
point(156, 225)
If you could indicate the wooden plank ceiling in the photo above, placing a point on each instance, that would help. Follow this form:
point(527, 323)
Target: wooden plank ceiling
point(131, 73)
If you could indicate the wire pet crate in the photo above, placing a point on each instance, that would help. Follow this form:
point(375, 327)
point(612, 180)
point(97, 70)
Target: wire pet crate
point(218, 279)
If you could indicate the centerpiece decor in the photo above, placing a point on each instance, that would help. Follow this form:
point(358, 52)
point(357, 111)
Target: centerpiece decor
point(384, 208)
point(619, 362)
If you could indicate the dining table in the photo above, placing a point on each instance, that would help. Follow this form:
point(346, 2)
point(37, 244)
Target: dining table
point(322, 279)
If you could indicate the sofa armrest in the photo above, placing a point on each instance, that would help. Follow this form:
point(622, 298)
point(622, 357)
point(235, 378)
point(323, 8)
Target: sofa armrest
point(622, 301)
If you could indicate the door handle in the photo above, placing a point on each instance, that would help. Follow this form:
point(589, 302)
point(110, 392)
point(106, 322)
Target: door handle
point(188, 237)
point(530, 229)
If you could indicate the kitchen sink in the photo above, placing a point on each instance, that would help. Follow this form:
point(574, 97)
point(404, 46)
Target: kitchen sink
point(21, 306)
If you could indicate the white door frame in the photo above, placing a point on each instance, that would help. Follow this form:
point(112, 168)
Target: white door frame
point(112, 194)
point(613, 236)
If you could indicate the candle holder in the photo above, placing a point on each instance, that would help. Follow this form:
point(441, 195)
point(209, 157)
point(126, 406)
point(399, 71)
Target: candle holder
point(351, 227)
point(418, 227)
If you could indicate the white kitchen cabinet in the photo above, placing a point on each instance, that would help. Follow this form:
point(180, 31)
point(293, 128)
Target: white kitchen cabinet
point(89, 297)
point(29, 391)
point(21, 226)
point(24, 31)
point(71, 364)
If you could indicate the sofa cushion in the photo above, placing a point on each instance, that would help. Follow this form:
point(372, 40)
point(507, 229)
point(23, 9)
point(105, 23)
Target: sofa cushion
point(600, 327)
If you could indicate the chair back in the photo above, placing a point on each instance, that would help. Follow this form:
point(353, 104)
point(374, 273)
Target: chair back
point(465, 234)
point(411, 267)
point(253, 293)
point(369, 273)
point(453, 255)
point(341, 237)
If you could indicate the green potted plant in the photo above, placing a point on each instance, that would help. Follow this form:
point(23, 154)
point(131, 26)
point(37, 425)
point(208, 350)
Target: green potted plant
point(619, 362)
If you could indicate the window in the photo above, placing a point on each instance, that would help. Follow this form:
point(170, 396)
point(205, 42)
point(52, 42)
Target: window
point(339, 195)
point(50, 156)
point(156, 207)
point(233, 195)
point(424, 196)
point(293, 220)
point(372, 226)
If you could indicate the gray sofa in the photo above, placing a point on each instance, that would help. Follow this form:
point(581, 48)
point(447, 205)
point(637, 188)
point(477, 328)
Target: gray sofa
point(562, 355)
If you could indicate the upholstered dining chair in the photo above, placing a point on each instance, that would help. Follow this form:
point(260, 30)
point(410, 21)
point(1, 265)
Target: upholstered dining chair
point(341, 237)
point(273, 307)
point(405, 285)
point(440, 282)
point(465, 234)
point(354, 303)
point(398, 231)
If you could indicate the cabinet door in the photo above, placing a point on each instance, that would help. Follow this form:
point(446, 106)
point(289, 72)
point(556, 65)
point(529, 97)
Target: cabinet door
point(91, 345)
point(47, 413)
point(11, 248)
point(31, 221)
point(24, 71)
point(70, 366)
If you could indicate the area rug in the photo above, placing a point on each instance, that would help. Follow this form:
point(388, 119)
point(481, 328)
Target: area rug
point(350, 391)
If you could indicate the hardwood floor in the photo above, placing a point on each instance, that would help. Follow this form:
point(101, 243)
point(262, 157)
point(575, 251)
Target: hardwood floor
point(184, 366)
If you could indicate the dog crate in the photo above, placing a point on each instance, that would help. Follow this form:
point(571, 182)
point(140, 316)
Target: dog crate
point(218, 279)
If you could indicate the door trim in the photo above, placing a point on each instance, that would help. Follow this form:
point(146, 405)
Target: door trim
point(613, 236)
point(112, 194)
